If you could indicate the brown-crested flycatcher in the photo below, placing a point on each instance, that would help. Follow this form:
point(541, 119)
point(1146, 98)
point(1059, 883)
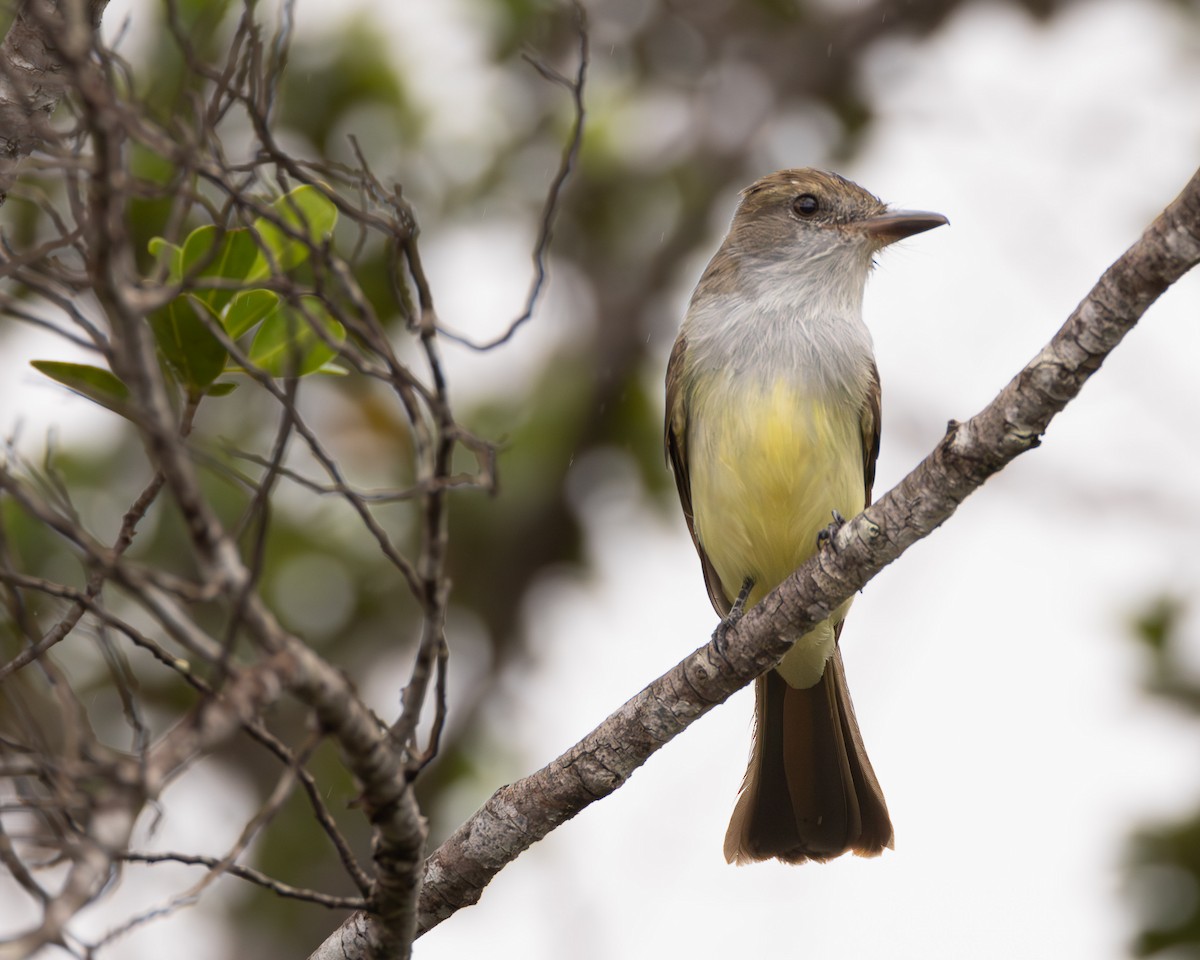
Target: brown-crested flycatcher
point(772, 427)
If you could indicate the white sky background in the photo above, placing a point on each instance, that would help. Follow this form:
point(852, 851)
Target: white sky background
point(994, 686)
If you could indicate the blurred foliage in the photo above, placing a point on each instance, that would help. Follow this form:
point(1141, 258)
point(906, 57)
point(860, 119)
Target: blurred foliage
point(640, 208)
point(355, 71)
point(163, 79)
point(1164, 857)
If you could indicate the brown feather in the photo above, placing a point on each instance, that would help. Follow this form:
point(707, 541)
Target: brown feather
point(870, 419)
point(676, 442)
point(810, 792)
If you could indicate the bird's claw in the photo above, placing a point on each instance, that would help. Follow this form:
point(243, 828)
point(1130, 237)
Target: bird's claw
point(826, 536)
point(734, 615)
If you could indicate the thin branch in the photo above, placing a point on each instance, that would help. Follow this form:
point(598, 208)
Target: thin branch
point(257, 877)
point(129, 523)
point(566, 165)
point(254, 728)
point(376, 759)
point(226, 864)
point(456, 481)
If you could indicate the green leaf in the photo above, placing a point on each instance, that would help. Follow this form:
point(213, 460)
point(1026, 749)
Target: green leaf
point(287, 344)
point(247, 308)
point(308, 212)
point(159, 248)
point(183, 329)
point(221, 389)
point(235, 255)
point(95, 383)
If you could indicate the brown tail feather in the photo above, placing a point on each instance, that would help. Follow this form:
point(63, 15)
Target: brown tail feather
point(809, 792)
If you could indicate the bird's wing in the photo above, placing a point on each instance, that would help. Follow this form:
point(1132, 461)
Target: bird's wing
point(870, 422)
point(676, 443)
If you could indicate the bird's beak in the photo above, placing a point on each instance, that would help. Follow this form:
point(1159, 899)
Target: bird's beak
point(898, 224)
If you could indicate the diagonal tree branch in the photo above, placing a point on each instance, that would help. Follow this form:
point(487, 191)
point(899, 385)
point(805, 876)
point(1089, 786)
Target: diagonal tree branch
point(520, 814)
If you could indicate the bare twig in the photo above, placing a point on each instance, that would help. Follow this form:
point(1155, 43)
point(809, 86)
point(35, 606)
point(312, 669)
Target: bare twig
point(256, 877)
point(570, 154)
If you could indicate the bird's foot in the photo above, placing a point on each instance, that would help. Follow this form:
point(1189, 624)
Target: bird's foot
point(734, 614)
point(826, 536)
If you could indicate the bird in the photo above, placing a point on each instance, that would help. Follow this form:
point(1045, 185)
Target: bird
point(772, 429)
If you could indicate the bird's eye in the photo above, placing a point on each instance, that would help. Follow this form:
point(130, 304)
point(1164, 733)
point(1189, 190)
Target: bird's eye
point(806, 205)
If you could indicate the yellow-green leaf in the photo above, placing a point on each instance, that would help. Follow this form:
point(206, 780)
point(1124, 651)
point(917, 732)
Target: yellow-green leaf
point(247, 308)
point(306, 211)
point(288, 345)
point(162, 249)
point(184, 331)
point(95, 383)
point(235, 254)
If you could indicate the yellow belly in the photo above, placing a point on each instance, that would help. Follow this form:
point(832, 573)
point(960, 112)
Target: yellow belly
point(768, 466)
